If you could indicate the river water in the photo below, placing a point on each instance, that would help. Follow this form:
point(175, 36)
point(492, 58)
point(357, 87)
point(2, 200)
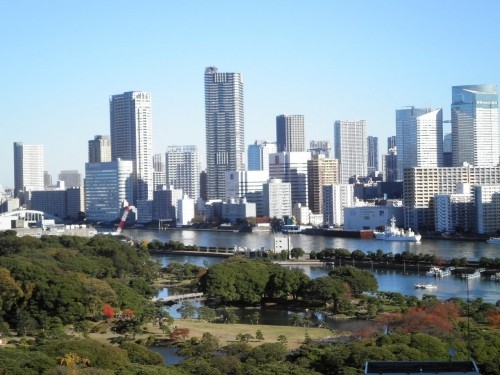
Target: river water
point(393, 281)
point(444, 249)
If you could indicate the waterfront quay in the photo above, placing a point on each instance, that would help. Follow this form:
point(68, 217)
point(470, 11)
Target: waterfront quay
point(216, 241)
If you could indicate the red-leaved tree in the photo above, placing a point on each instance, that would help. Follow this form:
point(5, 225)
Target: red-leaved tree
point(108, 312)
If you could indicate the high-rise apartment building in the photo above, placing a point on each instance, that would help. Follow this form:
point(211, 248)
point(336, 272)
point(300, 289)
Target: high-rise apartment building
point(28, 168)
point(131, 137)
point(372, 154)
point(320, 171)
point(100, 149)
point(258, 155)
point(422, 184)
point(159, 171)
point(474, 125)
point(182, 167)
point(419, 138)
point(224, 120)
point(71, 178)
point(290, 136)
point(351, 148)
point(321, 148)
point(336, 197)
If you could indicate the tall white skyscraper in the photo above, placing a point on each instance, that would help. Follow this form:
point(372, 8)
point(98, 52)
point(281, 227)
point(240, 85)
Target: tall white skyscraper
point(474, 125)
point(225, 131)
point(290, 135)
point(182, 167)
point(28, 168)
point(131, 137)
point(351, 148)
point(258, 155)
point(419, 138)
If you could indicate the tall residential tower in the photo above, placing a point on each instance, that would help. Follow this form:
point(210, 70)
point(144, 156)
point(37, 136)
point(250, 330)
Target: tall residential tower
point(131, 137)
point(225, 131)
point(351, 148)
point(290, 133)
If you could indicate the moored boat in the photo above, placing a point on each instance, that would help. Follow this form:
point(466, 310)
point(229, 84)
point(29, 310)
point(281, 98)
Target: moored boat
point(439, 272)
point(494, 240)
point(393, 233)
point(425, 286)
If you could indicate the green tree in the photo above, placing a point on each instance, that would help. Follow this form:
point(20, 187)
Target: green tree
point(359, 280)
point(187, 310)
point(259, 335)
point(297, 252)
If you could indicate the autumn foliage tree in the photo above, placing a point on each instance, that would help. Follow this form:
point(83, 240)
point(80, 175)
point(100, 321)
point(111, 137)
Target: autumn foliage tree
point(108, 311)
point(436, 318)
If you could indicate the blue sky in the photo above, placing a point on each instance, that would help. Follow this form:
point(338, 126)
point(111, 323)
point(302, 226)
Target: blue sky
point(328, 60)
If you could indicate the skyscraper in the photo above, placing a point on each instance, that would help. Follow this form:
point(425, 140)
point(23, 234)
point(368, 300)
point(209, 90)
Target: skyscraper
point(372, 154)
point(159, 172)
point(474, 125)
point(100, 149)
point(108, 186)
point(291, 167)
point(182, 165)
point(290, 133)
point(131, 137)
point(419, 138)
point(71, 178)
point(320, 171)
point(224, 120)
point(28, 168)
point(258, 155)
point(321, 148)
point(351, 148)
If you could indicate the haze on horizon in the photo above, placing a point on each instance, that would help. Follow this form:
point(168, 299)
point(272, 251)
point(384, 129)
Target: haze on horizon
point(327, 60)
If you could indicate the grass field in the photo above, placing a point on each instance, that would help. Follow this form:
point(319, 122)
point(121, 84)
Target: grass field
point(226, 333)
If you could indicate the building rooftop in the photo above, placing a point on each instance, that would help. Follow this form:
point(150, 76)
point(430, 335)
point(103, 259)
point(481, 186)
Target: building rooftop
point(422, 367)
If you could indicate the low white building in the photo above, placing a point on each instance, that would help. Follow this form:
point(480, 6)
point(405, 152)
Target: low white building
point(249, 185)
point(371, 217)
point(277, 198)
point(185, 211)
point(301, 213)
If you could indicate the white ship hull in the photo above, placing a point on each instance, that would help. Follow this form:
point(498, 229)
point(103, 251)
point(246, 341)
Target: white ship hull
point(385, 237)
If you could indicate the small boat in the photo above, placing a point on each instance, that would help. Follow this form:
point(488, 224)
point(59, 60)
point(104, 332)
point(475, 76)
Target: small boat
point(476, 274)
point(393, 233)
point(439, 272)
point(494, 240)
point(425, 286)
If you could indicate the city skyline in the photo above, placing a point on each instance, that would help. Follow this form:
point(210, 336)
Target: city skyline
point(321, 71)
